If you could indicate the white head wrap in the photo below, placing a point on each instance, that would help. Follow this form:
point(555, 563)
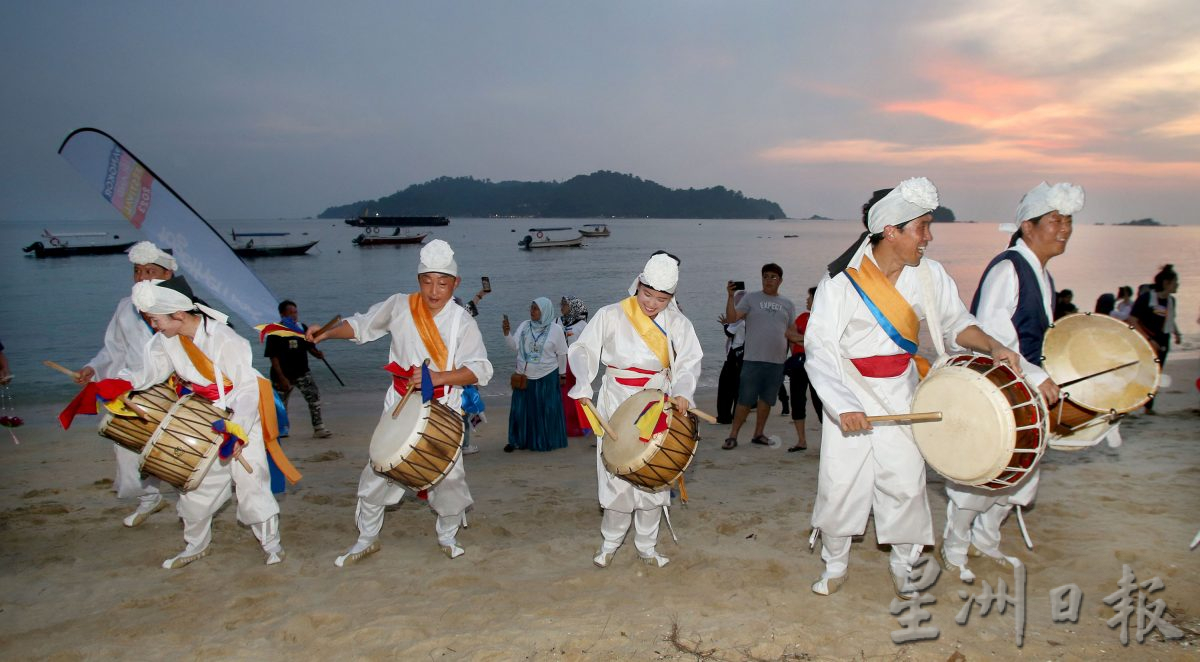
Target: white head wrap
point(160, 297)
point(661, 273)
point(912, 199)
point(145, 252)
point(1064, 198)
point(437, 257)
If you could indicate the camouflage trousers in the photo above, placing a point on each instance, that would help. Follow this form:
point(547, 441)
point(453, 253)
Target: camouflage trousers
point(308, 388)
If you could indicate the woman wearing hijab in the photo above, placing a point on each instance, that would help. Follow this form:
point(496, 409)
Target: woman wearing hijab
point(535, 419)
point(574, 321)
point(645, 342)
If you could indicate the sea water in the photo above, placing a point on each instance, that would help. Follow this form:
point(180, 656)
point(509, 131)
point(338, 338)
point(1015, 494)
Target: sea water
point(58, 309)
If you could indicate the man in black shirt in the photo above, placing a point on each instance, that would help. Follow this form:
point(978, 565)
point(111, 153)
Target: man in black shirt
point(289, 365)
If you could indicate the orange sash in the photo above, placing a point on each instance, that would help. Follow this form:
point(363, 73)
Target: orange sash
point(266, 407)
point(428, 330)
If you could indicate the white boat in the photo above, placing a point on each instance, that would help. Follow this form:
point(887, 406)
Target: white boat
point(595, 230)
point(551, 238)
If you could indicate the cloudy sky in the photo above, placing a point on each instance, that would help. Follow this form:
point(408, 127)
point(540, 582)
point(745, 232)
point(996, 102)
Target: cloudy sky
point(280, 109)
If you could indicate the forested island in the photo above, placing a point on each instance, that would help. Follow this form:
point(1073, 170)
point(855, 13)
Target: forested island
point(598, 195)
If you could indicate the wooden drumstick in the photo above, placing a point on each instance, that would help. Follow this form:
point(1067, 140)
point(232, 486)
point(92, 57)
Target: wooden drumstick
point(409, 392)
point(337, 319)
point(242, 461)
point(914, 417)
point(600, 419)
point(141, 413)
point(702, 415)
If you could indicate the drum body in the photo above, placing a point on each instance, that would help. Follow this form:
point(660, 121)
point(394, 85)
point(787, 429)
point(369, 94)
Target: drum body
point(184, 446)
point(993, 427)
point(133, 432)
point(1084, 344)
point(419, 447)
point(655, 464)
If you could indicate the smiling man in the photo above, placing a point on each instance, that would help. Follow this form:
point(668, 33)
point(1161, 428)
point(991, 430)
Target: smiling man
point(1014, 303)
point(861, 343)
point(422, 328)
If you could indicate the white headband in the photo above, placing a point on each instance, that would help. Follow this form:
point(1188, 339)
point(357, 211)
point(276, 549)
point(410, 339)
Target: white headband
point(913, 198)
point(152, 298)
point(145, 252)
point(437, 257)
point(661, 273)
point(1064, 198)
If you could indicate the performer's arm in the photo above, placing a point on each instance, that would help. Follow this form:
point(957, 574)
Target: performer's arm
point(235, 362)
point(115, 346)
point(998, 296)
point(974, 338)
point(156, 365)
point(685, 371)
point(363, 327)
point(823, 353)
point(584, 356)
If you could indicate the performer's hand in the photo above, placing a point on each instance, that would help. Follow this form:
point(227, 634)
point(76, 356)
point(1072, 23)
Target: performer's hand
point(586, 402)
point(1006, 356)
point(680, 404)
point(854, 421)
point(310, 334)
point(85, 375)
point(1049, 391)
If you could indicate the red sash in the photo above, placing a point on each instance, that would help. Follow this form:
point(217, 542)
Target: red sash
point(402, 376)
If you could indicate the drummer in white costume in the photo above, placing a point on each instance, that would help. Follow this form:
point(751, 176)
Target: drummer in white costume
point(124, 341)
point(1015, 304)
point(466, 363)
point(185, 325)
point(865, 468)
point(611, 339)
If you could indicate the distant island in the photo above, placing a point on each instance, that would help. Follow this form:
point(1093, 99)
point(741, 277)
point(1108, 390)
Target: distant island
point(816, 217)
point(601, 194)
point(1144, 222)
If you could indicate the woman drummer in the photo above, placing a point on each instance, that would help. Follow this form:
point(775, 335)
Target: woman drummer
point(645, 342)
point(195, 342)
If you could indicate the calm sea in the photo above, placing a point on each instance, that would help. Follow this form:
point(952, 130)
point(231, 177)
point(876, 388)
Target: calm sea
point(58, 308)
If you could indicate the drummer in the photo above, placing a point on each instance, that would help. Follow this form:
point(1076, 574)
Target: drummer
point(423, 327)
point(646, 343)
point(1014, 303)
point(196, 343)
point(861, 344)
point(125, 339)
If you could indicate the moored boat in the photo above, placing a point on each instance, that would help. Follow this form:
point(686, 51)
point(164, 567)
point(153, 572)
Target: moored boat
point(251, 248)
point(371, 237)
point(396, 221)
point(68, 245)
point(551, 238)
point(595, 230)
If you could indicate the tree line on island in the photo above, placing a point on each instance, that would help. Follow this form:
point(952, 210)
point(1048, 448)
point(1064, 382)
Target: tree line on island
point(600, 194)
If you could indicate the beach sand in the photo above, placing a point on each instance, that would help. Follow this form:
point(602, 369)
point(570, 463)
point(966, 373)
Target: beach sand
point(78, 585)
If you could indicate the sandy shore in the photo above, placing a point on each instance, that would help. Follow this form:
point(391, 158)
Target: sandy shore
point(78, 585)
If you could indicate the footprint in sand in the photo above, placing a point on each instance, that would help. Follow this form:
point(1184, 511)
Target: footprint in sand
point(327, 456)
point(33, 494)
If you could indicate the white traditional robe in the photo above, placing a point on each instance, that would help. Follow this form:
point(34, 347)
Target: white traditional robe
point(553, 356)
point(611, 340)
point(998, 295)
point(231, 358)
point(125, 341)
point(881, 470)
point(465, 349)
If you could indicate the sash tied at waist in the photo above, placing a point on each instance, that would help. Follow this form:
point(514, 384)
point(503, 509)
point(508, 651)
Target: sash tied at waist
point(636, 377)
point(402, 376)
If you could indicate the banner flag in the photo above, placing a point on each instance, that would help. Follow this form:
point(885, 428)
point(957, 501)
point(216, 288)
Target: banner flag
point(170, 222)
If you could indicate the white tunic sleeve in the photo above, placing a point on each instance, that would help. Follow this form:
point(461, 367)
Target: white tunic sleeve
point(823, 355)
point(685, 367)
point(584, 356)
point(998, 295)
point(155, 368)
point(953, 315)
point(233, 358)
point(471, 352)
point(111, 358)
point(373, 324)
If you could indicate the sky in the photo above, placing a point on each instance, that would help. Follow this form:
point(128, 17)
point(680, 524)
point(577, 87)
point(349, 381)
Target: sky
point(274, 109)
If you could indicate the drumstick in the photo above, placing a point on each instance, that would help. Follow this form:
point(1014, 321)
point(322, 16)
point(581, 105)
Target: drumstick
point(141, 413)
point(914, 417)
point(1097, 374)
point(337, 319)
point(242, 461)
point(400, 405)
point(600, 419)
point(703, 415)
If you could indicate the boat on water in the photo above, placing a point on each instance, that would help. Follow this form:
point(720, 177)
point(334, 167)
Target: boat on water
point(371, 237)
point(551, 238)
point(70, 244)
point(366, 220)
point(595, 230)
point(253, 246)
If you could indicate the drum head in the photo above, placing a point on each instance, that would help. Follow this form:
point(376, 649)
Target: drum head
point(1084, 344)
point(394, 437)
point(625, 452)
point(974, 440)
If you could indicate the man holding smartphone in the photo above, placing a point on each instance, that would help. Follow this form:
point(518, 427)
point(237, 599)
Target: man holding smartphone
point(769, 328)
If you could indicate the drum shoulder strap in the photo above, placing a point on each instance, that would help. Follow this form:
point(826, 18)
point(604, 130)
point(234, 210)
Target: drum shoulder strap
point(929, 303)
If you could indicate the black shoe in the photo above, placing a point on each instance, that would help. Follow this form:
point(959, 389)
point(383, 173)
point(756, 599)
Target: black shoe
point(508, 448)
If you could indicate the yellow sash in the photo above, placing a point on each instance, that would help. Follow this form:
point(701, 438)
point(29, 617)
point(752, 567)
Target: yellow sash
point(893, 312)
point(428, 330)
point(651, 334)
point(266, 407)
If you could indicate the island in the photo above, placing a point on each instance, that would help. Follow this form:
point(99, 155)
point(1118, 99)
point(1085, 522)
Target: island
point(816, 217)
point(1144, 222)
point(602, 194)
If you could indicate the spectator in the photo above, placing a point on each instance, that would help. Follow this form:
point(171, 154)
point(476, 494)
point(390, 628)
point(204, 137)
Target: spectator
point(1123, 306)
point(535, 418)
point(769, 326)
point(731, 370)
point(289, 365)
point(1063, 305)
point(798, 376)
point(1154, 315)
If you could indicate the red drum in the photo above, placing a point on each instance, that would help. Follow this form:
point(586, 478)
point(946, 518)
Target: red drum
point(993, 427)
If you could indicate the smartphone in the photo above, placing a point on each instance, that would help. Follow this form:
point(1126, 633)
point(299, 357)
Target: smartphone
point(487, 284)
point(739, 285)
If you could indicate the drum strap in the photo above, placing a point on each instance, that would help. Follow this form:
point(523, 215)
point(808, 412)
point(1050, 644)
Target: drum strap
point(928, 302)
